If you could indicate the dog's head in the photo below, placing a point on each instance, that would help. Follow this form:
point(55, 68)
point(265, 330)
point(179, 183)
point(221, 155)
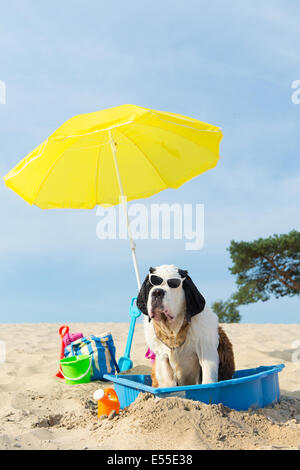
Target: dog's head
point(168, 291)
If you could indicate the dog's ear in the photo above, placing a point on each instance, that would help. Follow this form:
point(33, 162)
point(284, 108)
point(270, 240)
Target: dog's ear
point(142, 298)
point(182, 272)
point(195, 301)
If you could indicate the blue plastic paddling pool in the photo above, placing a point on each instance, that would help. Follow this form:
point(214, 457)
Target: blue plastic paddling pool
point(249, 388)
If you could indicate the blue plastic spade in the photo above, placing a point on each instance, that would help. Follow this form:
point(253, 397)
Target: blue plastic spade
point(125, 363)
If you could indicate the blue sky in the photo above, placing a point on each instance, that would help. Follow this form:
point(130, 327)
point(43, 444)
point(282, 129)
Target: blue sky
point(227, 63)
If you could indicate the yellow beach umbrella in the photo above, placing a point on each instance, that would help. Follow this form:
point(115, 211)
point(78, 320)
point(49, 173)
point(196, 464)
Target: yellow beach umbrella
point(128, 150)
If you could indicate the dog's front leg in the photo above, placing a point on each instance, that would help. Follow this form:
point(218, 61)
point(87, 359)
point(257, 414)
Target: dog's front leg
point(209, 362)
point(164, 372)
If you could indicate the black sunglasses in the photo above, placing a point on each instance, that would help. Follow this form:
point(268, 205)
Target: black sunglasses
point(173, 283)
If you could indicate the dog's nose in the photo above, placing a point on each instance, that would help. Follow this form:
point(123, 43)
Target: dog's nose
point(158, 293)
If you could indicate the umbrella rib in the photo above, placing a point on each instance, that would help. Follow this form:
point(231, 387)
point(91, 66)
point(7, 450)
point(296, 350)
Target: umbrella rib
point(145, 156)
point(63, 137)
point(43, 145)
point(107, 129)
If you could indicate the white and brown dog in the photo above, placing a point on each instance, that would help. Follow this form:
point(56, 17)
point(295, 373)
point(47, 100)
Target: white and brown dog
point(184, 334)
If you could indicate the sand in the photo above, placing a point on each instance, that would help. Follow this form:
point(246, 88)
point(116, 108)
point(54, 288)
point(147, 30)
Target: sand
point(39, 411)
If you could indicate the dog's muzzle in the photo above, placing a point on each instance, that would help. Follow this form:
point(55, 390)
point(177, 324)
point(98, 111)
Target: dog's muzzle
point(158, 294)
point(157, 307)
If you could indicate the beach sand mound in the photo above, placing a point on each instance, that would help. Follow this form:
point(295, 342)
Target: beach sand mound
point(176, 423)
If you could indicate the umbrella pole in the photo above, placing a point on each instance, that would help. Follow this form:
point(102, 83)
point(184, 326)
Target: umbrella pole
point(131, 241)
